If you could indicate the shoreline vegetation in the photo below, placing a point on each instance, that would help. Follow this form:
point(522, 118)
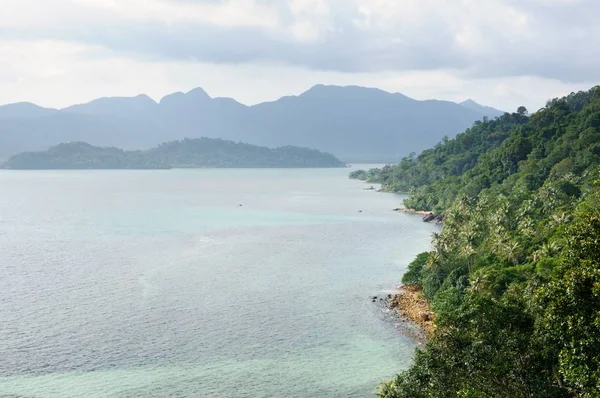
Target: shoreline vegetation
point(510, 292)
point(187, 153)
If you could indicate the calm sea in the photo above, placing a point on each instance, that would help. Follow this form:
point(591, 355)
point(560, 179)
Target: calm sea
point(199, 283)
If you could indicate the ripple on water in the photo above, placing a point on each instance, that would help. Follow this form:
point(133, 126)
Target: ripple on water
point(133, 284)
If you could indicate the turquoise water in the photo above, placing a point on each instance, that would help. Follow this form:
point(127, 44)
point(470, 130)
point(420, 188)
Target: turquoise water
point(202, 283)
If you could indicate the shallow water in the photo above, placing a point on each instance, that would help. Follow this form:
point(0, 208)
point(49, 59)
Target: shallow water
point(212, 283)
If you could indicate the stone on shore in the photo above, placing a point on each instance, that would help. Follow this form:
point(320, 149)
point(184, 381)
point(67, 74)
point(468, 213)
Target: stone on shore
point(410, 304)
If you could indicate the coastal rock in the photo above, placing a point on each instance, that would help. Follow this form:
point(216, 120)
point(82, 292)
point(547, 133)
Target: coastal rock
point(433, 218)
point(429, 217)
point(411, 305)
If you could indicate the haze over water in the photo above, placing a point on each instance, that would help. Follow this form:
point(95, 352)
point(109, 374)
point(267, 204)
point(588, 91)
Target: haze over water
point(158, 283)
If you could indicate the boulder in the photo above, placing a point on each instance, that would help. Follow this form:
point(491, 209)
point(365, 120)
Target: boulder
point(429, 217)
point(426, 316)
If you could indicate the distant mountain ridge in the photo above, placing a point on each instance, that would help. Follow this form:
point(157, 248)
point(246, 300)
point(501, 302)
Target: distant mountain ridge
point(25, 110)
point(484, 110)
point(354, 123)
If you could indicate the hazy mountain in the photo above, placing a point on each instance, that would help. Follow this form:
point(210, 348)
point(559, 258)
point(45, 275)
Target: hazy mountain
point(353, 123)
point(484, 110)
point(19, 135)
point(139, 106)
point(24, 110)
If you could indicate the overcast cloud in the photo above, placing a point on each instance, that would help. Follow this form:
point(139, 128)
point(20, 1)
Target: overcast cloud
point(500, 52)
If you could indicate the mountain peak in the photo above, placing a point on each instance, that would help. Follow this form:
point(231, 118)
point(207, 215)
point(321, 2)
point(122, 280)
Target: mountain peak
point(335, 88)
point(24, 110)
point(469, 102)
point(193, 96)
point(198, 93)
point(145, 98)
point(348, 92)
point(483, 110)
point(122, 106)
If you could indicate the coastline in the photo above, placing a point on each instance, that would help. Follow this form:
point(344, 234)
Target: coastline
point(406, 303)
point(408, 311)
point(412, 211)
point(409, 304)
point(428, 216)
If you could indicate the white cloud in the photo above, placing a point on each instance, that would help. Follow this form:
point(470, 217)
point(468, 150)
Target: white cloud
point(311, 19)
point(501, 52)
point(311, 7)
point(229, 13)
point(44, 13)
point(58, 74)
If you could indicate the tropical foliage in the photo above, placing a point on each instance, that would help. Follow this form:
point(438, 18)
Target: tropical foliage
point(202, 152)
point(514, 276)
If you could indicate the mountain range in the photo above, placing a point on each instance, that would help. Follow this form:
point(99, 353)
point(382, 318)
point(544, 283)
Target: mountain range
point(356, 124)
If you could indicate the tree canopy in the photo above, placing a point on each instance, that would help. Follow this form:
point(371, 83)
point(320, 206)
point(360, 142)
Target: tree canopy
point(514, 276)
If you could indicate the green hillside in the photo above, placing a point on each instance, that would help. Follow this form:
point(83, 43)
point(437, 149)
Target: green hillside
point(514, 276)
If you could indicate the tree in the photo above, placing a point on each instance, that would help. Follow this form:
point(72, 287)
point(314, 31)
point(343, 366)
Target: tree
point(569, 309)
point(514, 277)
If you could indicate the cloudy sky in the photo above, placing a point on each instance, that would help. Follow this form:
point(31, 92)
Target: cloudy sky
point(502, 53)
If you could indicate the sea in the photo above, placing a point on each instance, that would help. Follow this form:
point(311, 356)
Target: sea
point(200, 283)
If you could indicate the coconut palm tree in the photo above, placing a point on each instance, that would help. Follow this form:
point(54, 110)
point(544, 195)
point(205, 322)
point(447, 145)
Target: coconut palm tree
point(546, 250)
point(441, 243)
point(467, 252)
point(386, 389)
point(511, 252)
point(434, 265)
point(561, 218)
point(526, 226)
point(477, 283)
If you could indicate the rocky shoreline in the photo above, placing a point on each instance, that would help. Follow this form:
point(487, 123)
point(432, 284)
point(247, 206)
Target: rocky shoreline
point(410, 304)
point(406, 305)
point(428, 216)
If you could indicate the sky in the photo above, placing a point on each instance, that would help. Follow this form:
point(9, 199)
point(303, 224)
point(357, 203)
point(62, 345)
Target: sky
point(502, 53)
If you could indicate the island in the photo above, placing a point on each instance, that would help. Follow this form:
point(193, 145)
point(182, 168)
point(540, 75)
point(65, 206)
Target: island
point(186, 153)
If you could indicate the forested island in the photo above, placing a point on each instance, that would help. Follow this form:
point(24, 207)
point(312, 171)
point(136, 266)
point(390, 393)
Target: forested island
point(187, 153)
point(514, 275)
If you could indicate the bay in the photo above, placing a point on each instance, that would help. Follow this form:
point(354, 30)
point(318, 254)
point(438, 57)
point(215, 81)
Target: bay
point(212, 283)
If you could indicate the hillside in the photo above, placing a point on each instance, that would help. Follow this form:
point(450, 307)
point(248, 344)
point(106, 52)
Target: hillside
point(188, 153)
point(447, 163)
point(514, 276)
point(354, 123)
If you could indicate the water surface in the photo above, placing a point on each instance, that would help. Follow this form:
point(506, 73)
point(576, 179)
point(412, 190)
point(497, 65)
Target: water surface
point(213, 283)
